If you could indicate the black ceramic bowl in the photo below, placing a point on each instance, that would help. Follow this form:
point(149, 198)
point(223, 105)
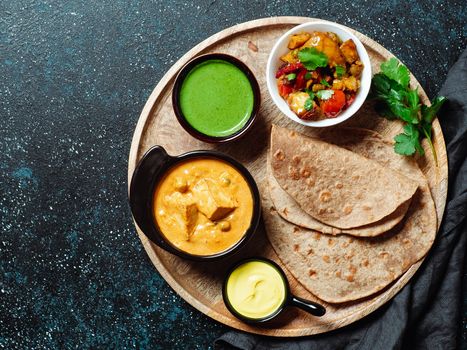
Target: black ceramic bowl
point(290, 300)
point(178, 85)
point(151, 169)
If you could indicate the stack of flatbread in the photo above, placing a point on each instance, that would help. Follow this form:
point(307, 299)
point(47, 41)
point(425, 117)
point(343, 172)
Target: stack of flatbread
point(344, 213)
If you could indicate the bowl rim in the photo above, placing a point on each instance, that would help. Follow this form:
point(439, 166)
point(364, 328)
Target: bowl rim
point(361, 94)
point(182, 74)
point(169, 163)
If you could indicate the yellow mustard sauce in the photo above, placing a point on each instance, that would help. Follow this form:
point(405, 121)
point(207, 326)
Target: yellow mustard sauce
point(203, 206)
point(255, 289)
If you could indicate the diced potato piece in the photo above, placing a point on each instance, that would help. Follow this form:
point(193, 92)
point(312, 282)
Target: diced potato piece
point(337, 84)
point(334, 37)
point(212, 199)
point(317, 87)
point(351, 83)
point(298, 40)
point(323, 43)
point(290, 57)
point(356, 69)
point(349, 50)
point(296, 101)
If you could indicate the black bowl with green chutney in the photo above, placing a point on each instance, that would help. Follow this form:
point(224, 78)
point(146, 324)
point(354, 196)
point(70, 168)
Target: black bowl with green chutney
point(216, 98)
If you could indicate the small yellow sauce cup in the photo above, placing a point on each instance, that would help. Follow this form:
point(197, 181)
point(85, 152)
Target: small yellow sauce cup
point(256, 290)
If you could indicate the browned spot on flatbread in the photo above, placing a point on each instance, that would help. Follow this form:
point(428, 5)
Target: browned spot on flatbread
point(279, 155)
point(296, 160)
point(350, 277)
point(347, 209)
point(383, 254)
point(305, 172)
point(325, 196)
point(294, 174)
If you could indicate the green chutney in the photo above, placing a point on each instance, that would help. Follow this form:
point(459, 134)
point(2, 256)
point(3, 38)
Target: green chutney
point(216, 98)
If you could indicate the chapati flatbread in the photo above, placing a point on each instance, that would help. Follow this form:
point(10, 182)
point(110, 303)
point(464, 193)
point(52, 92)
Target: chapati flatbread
point(289, 210)
point(343, 268)
point(368, 144)
point(335, 186)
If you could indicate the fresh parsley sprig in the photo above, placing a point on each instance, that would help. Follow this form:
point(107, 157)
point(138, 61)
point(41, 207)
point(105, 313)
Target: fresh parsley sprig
point(395, 100)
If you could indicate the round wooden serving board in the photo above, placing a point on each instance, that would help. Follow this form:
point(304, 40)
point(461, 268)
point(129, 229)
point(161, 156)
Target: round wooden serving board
point(200, 283)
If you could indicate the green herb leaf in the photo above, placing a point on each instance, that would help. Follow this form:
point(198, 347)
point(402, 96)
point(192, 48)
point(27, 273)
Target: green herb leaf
point(310, 93)
point(325, 83)
point(413, 101)
point(311, 58)
point(324, 94)
point(308, 104)
point(395, 100)
point(381, 85)
point(307, 76)
point(393, 69)
point(291, 76)
point(429, 113)
point(404, 145)
point(340, 71)
point(383, 109)
point(408, 142)
point(426, 128)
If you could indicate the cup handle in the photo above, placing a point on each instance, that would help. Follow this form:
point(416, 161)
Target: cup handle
point(308, 306)
point(140, 194)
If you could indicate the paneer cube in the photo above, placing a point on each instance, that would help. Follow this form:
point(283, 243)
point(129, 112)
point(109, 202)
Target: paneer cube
point(212, 199)
point(185, 212)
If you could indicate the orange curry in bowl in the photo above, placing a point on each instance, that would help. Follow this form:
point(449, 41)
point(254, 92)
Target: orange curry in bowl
point(203, 206)
point(320, 75)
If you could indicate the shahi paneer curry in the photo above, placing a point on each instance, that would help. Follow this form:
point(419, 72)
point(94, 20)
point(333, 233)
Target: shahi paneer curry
point(203, 206)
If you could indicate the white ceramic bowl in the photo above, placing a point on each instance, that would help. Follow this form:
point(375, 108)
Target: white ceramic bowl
point(280, 48)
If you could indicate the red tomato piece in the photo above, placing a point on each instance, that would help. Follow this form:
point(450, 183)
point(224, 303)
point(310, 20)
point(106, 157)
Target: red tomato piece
point(284, 89)
point(334, 105)
point(300, 81)
point(289, 68)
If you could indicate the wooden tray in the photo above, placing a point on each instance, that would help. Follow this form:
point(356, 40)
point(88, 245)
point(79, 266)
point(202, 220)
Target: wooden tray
point(200, 283)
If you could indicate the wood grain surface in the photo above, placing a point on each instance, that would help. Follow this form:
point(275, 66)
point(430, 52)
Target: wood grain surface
point(200, 283)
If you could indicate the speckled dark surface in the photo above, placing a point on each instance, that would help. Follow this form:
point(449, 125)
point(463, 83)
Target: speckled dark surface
point(74, 78)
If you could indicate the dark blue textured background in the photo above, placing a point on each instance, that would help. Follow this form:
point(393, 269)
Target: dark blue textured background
point(74, 77)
